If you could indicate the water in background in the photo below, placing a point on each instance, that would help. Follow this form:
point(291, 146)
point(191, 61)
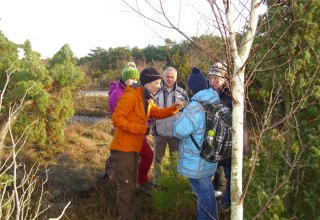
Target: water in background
point(88, 119)
point(85, 119)
point(94, 93)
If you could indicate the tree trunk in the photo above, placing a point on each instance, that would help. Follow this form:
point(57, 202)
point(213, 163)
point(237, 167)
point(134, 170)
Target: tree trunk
point(237, 143)
point(240, 56)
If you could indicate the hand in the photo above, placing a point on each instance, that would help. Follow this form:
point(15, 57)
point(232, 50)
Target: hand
point(179, 105)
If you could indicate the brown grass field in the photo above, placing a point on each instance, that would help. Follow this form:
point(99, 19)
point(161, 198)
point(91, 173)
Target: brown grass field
point(75, 169)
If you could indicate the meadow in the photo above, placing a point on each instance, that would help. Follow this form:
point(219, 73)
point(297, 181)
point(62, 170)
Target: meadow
point(76, 165)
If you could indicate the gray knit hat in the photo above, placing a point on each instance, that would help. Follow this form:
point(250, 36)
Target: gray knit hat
point(218, 69)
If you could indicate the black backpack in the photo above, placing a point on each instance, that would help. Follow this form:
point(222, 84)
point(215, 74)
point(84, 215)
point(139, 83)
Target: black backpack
point(218, 118)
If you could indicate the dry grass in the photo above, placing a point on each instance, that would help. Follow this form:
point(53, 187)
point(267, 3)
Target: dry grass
point(75, 170)
point(75, 174)
point(91, 105)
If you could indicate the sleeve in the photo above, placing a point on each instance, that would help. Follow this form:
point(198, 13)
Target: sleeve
point(186, 98)
point(160, 113)
point(120, 116)
point(187, 121)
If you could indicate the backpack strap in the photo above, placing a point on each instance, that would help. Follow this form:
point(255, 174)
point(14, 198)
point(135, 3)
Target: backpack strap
point(194, 141)
point(192, 138)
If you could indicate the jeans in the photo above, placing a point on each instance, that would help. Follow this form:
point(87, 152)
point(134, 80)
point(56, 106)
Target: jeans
point(206, 201)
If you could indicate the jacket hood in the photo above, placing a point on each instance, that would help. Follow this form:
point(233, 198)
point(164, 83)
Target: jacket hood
point(135, 88)
point(205, 95)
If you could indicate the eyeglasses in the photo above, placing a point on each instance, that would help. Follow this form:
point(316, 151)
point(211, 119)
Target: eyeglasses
point(216, 76)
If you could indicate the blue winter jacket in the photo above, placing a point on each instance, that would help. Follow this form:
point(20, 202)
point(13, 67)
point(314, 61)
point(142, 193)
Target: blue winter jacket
point(192, 121)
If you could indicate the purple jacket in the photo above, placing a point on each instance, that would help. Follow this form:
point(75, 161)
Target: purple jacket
point(115, 92)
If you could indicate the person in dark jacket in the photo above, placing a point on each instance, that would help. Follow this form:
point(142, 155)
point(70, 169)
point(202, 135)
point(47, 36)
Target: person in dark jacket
point(218, 81)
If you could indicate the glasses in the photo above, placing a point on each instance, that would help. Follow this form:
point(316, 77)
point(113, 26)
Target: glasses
point(216, 76)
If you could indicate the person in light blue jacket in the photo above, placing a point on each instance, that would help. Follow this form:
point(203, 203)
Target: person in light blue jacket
point(190, 164)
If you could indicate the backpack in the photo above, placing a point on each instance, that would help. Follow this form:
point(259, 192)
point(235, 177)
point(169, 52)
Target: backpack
point(218, 118)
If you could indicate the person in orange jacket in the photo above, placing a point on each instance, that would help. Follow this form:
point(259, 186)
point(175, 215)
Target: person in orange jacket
point(130, 74)
point(130, 118)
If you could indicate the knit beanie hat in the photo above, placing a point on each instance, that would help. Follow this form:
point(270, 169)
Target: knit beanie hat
point(130, 72)
point(218, 69)
point(197, 81)
point(149, 74)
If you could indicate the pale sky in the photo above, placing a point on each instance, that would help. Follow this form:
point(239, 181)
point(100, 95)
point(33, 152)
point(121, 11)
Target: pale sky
point(88, 24)
point(83, 24)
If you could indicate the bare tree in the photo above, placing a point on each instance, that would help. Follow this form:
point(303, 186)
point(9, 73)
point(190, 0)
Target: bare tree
point(20, 196)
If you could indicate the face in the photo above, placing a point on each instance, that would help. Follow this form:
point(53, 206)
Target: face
point(153, 87)
point(217, 81)
point(128, 82)
point(170, 78)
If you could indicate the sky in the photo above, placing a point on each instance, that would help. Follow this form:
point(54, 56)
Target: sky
point(82, 24)
point(87, 24)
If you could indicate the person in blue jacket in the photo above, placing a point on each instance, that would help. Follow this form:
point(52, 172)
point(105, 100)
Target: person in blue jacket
point(190, 164)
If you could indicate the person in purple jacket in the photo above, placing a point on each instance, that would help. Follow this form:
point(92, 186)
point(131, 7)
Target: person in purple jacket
point(130, 75)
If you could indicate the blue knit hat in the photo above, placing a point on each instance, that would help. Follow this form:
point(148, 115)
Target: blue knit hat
point(130, 72)
point(197, 81)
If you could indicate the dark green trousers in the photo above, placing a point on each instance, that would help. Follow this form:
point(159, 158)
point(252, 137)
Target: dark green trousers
point(125, 165)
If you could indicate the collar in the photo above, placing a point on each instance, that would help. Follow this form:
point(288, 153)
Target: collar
point(165, 87)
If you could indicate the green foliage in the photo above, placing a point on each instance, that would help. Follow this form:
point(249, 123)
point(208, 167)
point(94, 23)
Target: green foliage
point(6, 180)
point(102, 65)
point(47, 91)
point(66, 75)
point(289, 68)
point(175, 196)
point(153, 53)
point(269, 170)
point(137, 53)
point(183, 66)
point(8, 56)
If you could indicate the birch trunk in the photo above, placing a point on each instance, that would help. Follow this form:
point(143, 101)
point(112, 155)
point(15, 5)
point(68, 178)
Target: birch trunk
point(238, 85)
point(237, 144)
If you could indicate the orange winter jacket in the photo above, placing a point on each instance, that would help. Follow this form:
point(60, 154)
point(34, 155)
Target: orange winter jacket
point(130, 119)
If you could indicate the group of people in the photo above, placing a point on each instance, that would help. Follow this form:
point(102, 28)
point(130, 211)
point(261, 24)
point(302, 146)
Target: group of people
point(153, 102)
